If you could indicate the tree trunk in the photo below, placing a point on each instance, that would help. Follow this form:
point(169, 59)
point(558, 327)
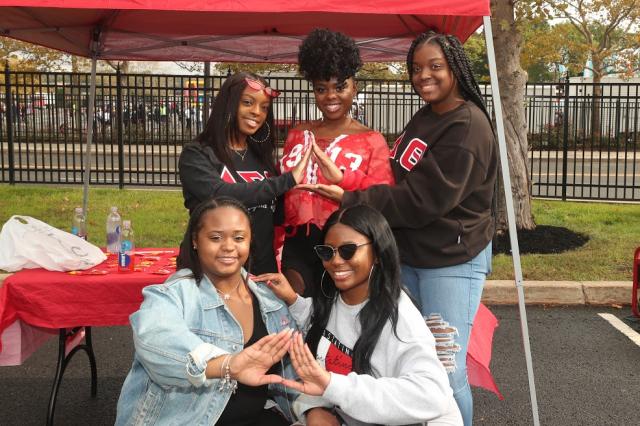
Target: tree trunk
point(512, 80)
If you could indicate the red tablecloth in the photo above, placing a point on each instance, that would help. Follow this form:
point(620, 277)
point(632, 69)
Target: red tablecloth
point(97, 297)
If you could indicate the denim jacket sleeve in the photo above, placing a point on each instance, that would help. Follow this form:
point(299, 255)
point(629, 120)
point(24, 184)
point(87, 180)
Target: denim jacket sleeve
point(164, 341)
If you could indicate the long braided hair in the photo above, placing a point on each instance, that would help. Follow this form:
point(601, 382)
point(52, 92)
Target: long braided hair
point(458, 62)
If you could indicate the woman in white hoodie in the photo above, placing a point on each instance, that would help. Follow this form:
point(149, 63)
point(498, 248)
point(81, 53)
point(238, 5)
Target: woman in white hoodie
point(369, 357)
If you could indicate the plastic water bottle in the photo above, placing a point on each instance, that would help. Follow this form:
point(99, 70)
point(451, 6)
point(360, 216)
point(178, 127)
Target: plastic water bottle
point(79, 224)
point(113, 231)
point(126, 254)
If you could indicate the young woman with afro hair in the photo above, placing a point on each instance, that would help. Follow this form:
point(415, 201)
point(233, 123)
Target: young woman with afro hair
point(344, 152)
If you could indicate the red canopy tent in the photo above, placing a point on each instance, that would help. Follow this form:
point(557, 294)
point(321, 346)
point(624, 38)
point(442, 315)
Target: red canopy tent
point(254, 31)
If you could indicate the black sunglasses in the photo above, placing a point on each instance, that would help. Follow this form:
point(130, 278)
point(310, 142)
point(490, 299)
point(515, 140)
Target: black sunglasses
point(326, 252)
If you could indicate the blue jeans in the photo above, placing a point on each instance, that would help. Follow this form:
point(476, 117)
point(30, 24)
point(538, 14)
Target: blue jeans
point(453, 292)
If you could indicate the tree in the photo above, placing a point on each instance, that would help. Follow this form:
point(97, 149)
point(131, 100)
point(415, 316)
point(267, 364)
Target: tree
point(383, 71)
point(508, 41)
point(370, 70)
point(607, 35)
point(260, 69)
point(29, 57)
point(477, 53)
point(544, 50)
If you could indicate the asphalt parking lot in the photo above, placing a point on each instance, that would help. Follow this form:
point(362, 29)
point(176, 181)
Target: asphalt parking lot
point(587, 373)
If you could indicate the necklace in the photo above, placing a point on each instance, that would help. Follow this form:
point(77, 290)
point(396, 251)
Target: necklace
point(227, 296)
point(241, 153)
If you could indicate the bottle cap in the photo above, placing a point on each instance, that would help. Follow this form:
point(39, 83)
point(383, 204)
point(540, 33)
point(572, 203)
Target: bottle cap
point(126, 223)
point(114, 209)
point(78, 210)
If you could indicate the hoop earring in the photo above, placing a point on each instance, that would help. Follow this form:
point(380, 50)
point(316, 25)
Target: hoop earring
point(266, 138)
point(370, 272)
point(322, 285)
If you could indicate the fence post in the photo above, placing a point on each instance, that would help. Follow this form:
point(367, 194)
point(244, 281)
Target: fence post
point(119, 128)
point(207, 91)
point(9, 116)
point(565, 138)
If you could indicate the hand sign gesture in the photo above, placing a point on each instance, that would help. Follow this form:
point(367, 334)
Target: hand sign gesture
point(250, 365)
point(300, 169)
point(329, 170)
point(332, 192)
point(315, 379)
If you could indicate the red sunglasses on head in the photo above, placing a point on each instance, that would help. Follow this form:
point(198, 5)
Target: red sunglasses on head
point(258, 86)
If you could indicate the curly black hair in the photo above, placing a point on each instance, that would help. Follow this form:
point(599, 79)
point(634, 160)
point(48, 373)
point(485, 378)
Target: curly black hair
point(325, 54)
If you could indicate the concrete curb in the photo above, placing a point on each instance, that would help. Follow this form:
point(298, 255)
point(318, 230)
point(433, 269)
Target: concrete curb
point(499, 292)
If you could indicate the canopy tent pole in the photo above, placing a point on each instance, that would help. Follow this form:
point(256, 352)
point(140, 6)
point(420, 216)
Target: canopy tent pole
point(94, 47)
point(87, 149)
point(513, 235)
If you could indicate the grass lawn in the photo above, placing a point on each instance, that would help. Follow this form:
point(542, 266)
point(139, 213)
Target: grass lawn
point(159, 219)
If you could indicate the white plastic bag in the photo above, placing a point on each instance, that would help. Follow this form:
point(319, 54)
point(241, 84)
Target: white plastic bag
point(27, 243)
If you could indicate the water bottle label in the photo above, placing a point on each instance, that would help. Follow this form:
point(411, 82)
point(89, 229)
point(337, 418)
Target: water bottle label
point(126, 245)
point(74, 230)
point(112, 238)
point(124, 260)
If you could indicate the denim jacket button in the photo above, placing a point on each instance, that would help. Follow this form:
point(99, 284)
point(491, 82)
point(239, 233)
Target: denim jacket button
point(234, 347)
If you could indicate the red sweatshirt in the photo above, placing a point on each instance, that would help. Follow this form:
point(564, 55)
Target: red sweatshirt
point(362, 157)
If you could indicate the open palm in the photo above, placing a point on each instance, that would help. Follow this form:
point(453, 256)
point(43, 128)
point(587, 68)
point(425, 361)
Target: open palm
point(330, 171)
point(250, 365)
point(332, 192)
point(314, 378)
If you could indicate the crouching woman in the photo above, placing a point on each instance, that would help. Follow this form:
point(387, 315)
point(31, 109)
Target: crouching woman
point(209, 341)
point(367, 357)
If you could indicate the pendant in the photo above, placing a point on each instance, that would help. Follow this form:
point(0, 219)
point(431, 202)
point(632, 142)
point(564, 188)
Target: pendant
point(226, 297)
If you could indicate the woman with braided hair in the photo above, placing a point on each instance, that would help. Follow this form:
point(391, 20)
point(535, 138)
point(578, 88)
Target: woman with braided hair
point(445, 164)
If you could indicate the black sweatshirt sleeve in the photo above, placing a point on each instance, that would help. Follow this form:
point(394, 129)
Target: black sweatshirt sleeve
point(445, 176)
point(201, 180)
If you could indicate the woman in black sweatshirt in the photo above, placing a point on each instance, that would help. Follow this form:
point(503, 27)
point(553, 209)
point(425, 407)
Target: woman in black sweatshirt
point(234, 157)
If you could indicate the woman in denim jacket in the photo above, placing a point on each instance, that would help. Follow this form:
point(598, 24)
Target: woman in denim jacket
point(209, 341)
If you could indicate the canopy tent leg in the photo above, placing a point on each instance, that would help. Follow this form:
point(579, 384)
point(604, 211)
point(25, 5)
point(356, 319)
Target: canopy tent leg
point(513, 235)
point(87, 149)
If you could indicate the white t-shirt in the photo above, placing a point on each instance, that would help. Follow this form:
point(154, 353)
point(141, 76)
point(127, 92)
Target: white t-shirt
point(409, 384)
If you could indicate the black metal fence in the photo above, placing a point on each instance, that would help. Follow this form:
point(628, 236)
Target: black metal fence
point(583, 138)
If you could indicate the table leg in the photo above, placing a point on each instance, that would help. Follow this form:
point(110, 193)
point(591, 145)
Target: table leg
point(63, 361)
